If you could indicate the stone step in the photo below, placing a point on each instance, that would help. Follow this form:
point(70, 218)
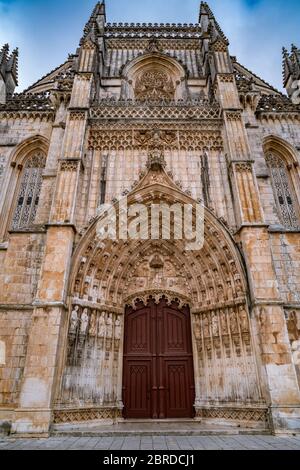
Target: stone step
point(180, 431)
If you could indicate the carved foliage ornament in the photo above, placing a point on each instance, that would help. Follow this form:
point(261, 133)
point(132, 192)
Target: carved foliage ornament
point(154, 85)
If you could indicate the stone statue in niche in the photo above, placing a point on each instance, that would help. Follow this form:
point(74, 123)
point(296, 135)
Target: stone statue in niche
point(158, 279)
point(223, 321)
point(109, 326)
point(220, 293)
point(95, 293)
point(239, 287)
point(93, 324)
point(244, 320)
point(118, 329)
point(86, 290)
point(233, 321)
point(229, 290)
point(197, 329)
point(84, 321)
point(74, 319)
point(215, 324)
point(206, 326)
point(102, 325)
point(77, 288)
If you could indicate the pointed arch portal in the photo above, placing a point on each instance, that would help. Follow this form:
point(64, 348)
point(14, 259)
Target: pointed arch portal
point(158, 329)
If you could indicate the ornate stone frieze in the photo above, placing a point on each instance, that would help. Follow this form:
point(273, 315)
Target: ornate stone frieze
point(142, 44)
point(42, 116)
point(243, 167)
point(234, 414)
point(140, 30)
point(77, 415)
point(77, 116)
point(149, 125)
point(158, 110)
point(37, 102)
point(233, 115)
point(69, 165)
point(184, 140)
point(276, 104)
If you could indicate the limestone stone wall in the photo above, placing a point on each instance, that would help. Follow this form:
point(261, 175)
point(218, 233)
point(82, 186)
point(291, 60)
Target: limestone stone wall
point(285, 249)
point(15, 130)
point(19, 273)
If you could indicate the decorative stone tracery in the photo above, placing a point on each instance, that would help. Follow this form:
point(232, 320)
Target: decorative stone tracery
point(154, 85)
point(285, 198)
point(29, 192)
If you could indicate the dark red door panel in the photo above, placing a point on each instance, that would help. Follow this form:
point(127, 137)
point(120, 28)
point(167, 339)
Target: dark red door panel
point(137, 389)
point(179, 402)
point(158, 377)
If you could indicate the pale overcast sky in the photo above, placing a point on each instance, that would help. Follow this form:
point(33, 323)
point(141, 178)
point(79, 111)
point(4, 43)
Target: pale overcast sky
point(46, 31)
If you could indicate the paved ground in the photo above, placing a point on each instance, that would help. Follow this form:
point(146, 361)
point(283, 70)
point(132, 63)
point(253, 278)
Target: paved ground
point(154, 443)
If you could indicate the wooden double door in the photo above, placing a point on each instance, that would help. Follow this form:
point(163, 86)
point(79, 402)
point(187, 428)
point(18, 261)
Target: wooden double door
point(158, 381)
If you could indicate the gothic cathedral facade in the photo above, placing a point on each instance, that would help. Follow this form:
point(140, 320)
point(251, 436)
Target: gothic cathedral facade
point(106, 329)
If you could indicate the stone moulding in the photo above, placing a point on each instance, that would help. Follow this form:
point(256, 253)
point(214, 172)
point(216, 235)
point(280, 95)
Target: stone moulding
point(76, 415)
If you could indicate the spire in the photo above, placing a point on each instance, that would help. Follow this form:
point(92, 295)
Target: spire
point(4, 54)
point(291, 67)
point(209, 23)
point(8, 72)
point(12, 64)
point(96, 23)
